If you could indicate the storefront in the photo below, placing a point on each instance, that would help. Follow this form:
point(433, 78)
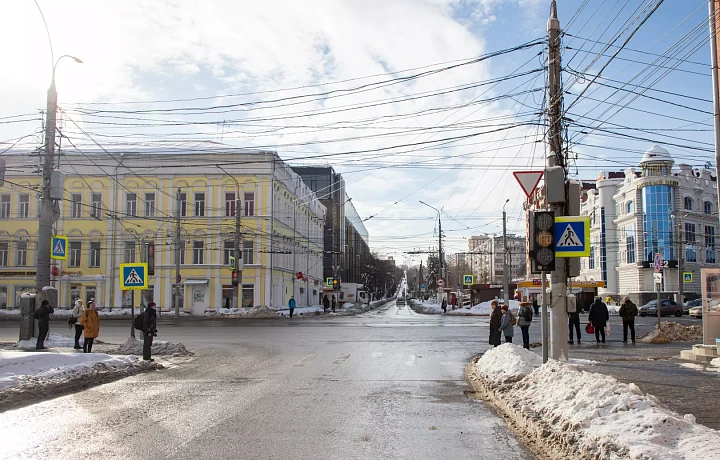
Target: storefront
point(584, 291)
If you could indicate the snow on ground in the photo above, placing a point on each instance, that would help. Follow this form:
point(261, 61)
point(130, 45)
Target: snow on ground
point(586, 415)
point(133, 346)
point(482, 309)
point(66, 313)
point(52, 341)
point(613, 309)
point(673, 332)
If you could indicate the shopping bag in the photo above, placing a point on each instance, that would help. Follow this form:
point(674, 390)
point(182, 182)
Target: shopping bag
point(607, 329)
point(589, 329)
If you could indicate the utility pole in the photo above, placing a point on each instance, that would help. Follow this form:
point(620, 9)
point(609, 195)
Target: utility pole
point(558, 198)
point(237, 289)
point(307, 259)
point(506, 284)
point(176, 293)
point(47, 211)
point(715, 81)
point(681, 265)
point(420, 282)
point(294, 251)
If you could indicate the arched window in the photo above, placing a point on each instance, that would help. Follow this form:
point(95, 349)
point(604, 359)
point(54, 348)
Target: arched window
point(708, 207)
point(630, 207)
point(688, 203)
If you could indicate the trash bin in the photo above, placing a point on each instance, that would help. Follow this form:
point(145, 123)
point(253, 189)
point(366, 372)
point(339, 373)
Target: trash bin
point(28, 327)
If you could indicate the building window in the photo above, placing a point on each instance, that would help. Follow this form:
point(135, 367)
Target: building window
point(74, 256)
point(248, 252)
point(229, 251)
point(96, 206)
point(630, 207)
point(4, 251)
point(24, 206)
point(591, 259)
point(129, 252)
point(707, 207)
point(229, 204)
point(182, 253)
point(3, 296)
point(200, 204)
point(150, 204)
point(5, 207)
point(21, 256)
point(657, 224)
point(630, 243)
point(198, 252)
point(249, 204)
point(76, 206)
point(688, 203)
point(248, 295)
point(709, 244)
point(131, 205)
point(183, 204)
point(94, 254)
point(690, 251)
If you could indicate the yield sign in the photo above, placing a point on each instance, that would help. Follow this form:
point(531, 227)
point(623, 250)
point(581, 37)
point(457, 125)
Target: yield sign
point(528, 180)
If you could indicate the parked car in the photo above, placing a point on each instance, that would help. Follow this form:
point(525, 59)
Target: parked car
point(400, 302)
point(667, 307)
point(696, 312)
point(690, 304)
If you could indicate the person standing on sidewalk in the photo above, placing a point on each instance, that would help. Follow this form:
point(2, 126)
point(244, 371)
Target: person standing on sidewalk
point(495, 320)
point(91, 326)
point(536, 307)
point(42, 315)
point(628, 312)
point(77, 313)
point(506, 324)
point(326, 304)
point(291, 305)
point(149, 330)
point(599, 317)
point(574, 322)
point(443, 305)
point(525, 316)
point(333, 303)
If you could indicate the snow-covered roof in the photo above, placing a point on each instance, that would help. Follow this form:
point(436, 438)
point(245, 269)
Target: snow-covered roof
point(656, 154)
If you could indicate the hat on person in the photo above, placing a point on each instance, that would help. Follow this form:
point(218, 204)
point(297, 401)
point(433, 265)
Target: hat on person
point(44, 302)
point(151, 304)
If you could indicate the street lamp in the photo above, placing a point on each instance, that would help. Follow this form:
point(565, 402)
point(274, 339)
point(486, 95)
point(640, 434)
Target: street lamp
point(506, 283)
point(440, 253)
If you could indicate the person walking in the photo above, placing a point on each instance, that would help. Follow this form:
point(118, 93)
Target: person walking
point(628, 312)
point(574, 322)
point(525, 316)
point(495, 320)
point(149, 330)
point(453, 301)
point(506, 324)
point(599, 317)
point(326, 304)
point(333, 303)
point(443, 305)
point(91, 326)
point(42, 315)
point(291, 305)
point(77, 313)
point(536, 307)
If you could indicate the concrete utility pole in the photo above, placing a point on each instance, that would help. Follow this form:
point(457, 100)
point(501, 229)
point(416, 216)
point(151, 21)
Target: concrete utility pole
point(237, 290)
point(677, 224)
point(440, 251)
point(506, 284)
point(715, 82)
point(176, 292)
point(555, 161)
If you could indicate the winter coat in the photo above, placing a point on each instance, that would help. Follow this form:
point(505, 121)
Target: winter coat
point(326, 302)
point(444, 304)
point(77, 312)
point(495, 327)
point(42, 314)
point(149, 321)
point(508, 330)
point(599, 315)
point(91, 322)
point(628, 311)
point(291, 303)
point(521, 315)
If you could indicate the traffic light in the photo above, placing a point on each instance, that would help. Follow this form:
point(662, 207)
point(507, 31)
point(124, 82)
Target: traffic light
point(543, 242)
point(235, 278)
point(336, 283)
point(151, 258)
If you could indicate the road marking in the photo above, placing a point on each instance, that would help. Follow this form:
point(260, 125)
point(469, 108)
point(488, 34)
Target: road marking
point(341, 359)
point(377, 355)
point(411, 362)
point(305, 361)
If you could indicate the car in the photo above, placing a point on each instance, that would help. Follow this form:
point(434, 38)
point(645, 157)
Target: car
point(696, 312)
point(400, 302)
point(690, 304)
point(667, 307)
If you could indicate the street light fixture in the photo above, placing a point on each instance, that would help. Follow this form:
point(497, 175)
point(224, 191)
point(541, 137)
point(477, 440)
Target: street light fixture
point(440, 253)
point(506, 282)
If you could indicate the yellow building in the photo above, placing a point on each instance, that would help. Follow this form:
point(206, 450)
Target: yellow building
point(114, 204)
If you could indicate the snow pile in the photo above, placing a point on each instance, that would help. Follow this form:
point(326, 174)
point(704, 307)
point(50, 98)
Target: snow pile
point(429, 307)
point(507, 363)
point(134, 346)
point(52, 341)
point(260, 311)
point(715, 362)
point(65, 313)
point(613, 309)
point(583, 415)
point(673, 332)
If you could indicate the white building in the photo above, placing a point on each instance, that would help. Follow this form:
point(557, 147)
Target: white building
point(486, 258)
point(656, 210)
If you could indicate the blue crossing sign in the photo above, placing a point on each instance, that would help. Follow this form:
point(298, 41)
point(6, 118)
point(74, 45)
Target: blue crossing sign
point(468, 280)
point(58, 247)
point(572, 236)
point(133, 276)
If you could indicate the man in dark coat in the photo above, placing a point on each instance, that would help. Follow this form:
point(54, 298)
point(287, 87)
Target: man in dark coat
point(42, 315)
point(495, 320)
point(598, 317)
point(333, 303)
point(628, 312)
point(149, 330)
point(536, 307)
point(326, 303)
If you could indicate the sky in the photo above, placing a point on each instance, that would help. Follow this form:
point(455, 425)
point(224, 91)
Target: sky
point(411, 100)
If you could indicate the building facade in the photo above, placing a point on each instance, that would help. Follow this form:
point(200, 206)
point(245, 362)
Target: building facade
point(486, 257)
point(114, 204)
point(657, 209)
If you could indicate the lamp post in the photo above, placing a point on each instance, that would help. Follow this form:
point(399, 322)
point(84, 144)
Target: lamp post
point(440, 253)
point(506, 283)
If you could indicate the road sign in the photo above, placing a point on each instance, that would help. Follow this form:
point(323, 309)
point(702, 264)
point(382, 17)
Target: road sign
point(422, 286)
point(468, 280)
point(657, 277)
point(232, 263)
point(687, 277)
point(441, 282)
point(441, 290)
point(658, 263)
point(528, 180)
point(133, 276)
point(58, 247)
point(328, 281)
point(572, 236)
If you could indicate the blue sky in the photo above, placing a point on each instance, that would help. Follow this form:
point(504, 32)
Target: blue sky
point(221, 50)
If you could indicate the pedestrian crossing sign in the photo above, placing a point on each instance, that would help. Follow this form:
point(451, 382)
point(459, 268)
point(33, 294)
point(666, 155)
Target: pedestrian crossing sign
point(329, 281)
point(468, 280)
point(133, 276)
point(687, 277)
point(58, 247)
point(572, 236)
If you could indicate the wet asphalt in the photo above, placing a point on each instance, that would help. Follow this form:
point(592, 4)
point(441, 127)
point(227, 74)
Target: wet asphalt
point(386, 384)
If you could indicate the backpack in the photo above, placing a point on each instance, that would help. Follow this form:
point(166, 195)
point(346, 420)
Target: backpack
point(513, 319)
point(138, 322)
point(528, 314)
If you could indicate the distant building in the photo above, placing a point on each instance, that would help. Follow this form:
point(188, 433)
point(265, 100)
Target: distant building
point(486, 257)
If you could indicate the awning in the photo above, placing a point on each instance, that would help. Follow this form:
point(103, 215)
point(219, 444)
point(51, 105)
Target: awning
point(205, 281)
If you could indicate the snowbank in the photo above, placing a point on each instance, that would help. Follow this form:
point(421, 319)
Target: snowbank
point(583, 415)
point(429, 307)
point(673, 332)
point(52, 341)
point(65, 313)
point(134, 346)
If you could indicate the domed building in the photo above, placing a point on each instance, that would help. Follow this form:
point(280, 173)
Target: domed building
point(658, 209)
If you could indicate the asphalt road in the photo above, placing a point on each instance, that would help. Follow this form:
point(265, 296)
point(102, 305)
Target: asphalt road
point(387, 384)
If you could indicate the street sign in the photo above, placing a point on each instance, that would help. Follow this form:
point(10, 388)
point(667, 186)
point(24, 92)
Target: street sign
point(441, 282)
point(572, 236)
point(328, 281)
point(441, 290)
point(657, 277)
point(422, 286)
point(58, 247)
point(133, 276)
point(687, 277)
point(468, 279)
point(528, 180)
point(658, 263)
point(232, 263)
